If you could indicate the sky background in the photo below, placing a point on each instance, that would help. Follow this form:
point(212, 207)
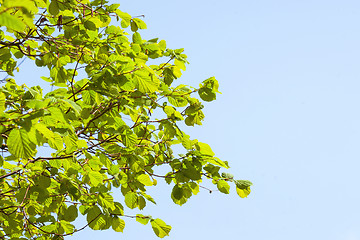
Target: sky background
point(288, 117)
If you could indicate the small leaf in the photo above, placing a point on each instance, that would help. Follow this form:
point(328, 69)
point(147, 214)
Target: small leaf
point(160, 228)
point(136, 38)
point(223, 186)
point(142, 219)
point(243, 193)
point(243, 184)
point(145, 179)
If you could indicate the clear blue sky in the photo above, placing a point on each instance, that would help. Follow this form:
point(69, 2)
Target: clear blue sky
point(288, 118)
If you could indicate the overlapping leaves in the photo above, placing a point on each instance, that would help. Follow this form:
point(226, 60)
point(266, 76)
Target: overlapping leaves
point(111, 117)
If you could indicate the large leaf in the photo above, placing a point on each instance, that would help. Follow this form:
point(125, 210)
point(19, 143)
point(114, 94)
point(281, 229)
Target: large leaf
point(95, 218)
point(131, 199)
point(145, 83)
point(55, 141)
point(223, 186)
point(96, 178)
point(204, 149)
point(12, 22)
point(19, 144)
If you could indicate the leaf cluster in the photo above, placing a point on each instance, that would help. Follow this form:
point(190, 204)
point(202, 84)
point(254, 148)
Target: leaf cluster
point(110, 119)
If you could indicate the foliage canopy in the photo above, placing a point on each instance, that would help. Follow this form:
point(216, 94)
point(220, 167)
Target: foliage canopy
point(110, 119)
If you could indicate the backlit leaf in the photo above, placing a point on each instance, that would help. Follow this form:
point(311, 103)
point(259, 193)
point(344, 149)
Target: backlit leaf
point(96, 178)
point(145, 179)
point(131, 199)
point(117, 224)
point(20, 145)
point(160, 228)
point(11, 22)
point(243, 193)
point(223, 186)
point(145, 83)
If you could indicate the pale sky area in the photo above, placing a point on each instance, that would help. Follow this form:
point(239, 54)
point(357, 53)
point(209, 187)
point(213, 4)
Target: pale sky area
point(288, 118)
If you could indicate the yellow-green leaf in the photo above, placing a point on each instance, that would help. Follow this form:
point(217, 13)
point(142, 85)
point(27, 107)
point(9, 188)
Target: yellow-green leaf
point(131, 200)
point(12, 22)
point(223, 186)
point(243, 193)
point(160, 228)
point(145, 179)
point(118, 224)
point(2, 102)
point(204, 149)
point(145, 83)
point(19, 144)
point(96, 178)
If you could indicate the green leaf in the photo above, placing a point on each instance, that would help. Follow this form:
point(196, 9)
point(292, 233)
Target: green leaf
point(90, 25)
point(20, 145)
point(68, 227)
point(205, 149)
point(118, 210)
point(106, 200)
point(223, 186)
point(131, 200)
point(145, 179)
point(71, 213)
point(160, 228)
point(208, 89)
point(72, 105)
point(177, 101)
point(129, 138)
point(55, 141)
point(12, 22)
point(95, 218)
point(2, 102)
point(243, 184)
point(140, 23)
point(227, 175)
point(49, 228)
point(145, 83)
point(96, 178)
point(117, 224)
point(177, 192)
point(44, 181)
point(142, 219)
point(133, 26)
point(137, 38)
point(53, 7)
point(217, 161)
